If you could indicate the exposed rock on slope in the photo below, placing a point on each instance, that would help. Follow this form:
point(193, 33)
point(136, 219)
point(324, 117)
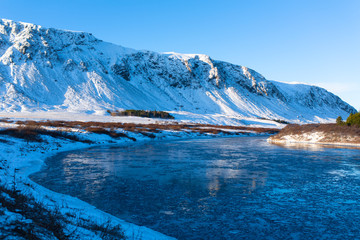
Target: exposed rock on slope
point(62, 70)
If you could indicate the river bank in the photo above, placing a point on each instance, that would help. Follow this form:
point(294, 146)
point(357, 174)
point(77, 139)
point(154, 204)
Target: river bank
point(325, 134)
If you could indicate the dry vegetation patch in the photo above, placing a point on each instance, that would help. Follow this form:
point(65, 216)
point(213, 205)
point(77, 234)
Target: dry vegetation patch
point(331, 132)
point(32, 130)
point(34, 133)
point(111, 133)
point(39, 221)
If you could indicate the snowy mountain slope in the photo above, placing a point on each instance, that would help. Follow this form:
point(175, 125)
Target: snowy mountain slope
point(57, 70)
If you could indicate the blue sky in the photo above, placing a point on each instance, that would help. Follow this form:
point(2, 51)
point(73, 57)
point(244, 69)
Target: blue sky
point(315, 42)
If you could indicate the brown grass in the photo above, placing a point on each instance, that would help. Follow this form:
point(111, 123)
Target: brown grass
point(46, 222)
point(334, 132)
point(6, 120)
point(110, 128)
point(33, 134)
point(132, 127)
point(111, 133)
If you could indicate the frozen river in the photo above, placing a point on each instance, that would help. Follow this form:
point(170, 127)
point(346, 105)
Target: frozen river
point(222, 188)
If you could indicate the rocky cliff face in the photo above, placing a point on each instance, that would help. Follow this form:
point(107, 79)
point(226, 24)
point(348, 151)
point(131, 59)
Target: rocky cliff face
point(49, 69)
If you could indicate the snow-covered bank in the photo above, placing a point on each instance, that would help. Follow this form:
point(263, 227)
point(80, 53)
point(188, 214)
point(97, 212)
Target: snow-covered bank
point(19, 157)
point(325, 134)
point(181, 117)
point(70, 116)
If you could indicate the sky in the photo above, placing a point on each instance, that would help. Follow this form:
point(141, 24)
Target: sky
point(307, 41)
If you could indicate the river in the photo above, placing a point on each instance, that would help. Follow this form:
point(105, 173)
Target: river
point(221, 188)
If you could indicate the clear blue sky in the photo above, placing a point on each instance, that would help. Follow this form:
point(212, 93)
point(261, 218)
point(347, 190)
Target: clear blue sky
point(310, 41)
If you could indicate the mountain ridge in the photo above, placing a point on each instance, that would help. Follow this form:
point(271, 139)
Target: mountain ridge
point(60, 70)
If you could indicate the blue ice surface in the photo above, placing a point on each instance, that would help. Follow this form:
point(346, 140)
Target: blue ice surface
point(223, 188)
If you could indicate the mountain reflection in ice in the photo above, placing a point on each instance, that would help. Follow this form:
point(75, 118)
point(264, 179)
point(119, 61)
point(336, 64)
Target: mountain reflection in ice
point(225, 188)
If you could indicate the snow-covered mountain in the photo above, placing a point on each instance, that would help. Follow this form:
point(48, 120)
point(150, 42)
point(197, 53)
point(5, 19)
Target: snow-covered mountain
point(50, 69)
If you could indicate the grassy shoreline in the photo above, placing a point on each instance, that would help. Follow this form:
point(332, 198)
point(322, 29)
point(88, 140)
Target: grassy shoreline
point(330, 134)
